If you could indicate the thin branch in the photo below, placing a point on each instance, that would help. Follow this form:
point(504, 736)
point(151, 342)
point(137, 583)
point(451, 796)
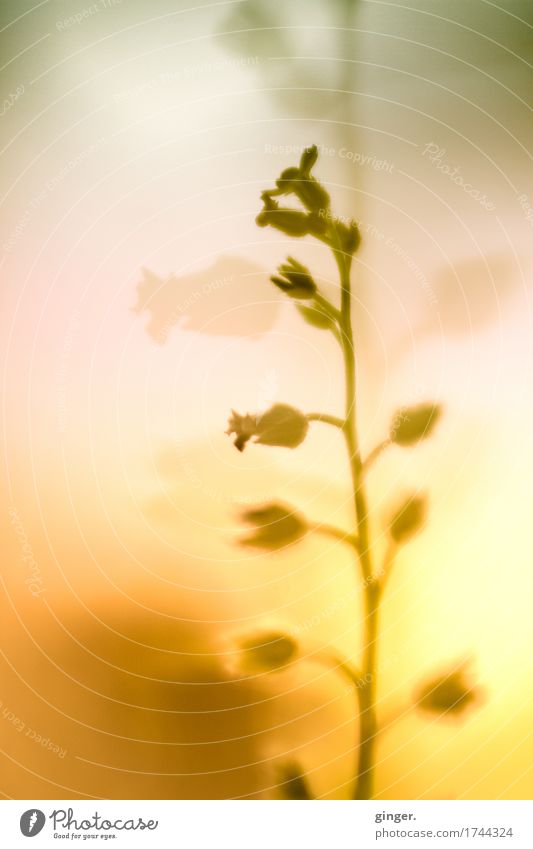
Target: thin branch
point(326, 418)
point(374, 454)
point(367, 687)
point(337, 664)
point(388, 564)
point(328, 307)
point(336, 533)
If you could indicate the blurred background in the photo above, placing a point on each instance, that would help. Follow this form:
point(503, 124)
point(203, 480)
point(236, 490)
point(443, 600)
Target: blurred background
point(137, 311)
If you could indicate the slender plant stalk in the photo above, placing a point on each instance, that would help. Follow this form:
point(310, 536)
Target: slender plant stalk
point(283, 425)
point(367, 690)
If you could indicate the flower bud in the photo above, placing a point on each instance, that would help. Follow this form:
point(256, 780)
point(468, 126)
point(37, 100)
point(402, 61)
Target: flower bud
point(316, 317)
point(347, 236)
point(413, 424)
point(448, 693)
point(295, 280)
point(308, 159)
point(292, 222)
point(244, 427)
point(269, 651)
point(282, 426)
point(409, 519)
point(294, 784)
point(276, 526)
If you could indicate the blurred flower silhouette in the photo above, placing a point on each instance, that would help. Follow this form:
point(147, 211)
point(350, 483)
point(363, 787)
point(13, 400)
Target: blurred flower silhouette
point(450, 693)
point(267, 650)
point(226, 299)
point(293, 783)
point(276, 526)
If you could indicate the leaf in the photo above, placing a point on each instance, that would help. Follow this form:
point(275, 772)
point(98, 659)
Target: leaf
point(268, 651)
point(276, 526)
point(294, 783)
point(316, 317)
point(413, 424)
point(448, 693)
point(409, 518)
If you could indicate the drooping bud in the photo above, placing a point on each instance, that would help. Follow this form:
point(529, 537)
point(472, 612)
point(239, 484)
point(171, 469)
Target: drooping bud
point(316, 317)
point(413, 424)
point(269, 651)
point(282, 426)
point(295, 280)
point(346, 236)
point(294, 784)
point(244, 427)
point(276, 525)
point(409, 518)
point(450, 693)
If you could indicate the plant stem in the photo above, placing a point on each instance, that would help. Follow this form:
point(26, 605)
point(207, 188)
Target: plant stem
point(374, 454)
point(367, 694)
point(326, 418)
point(335, 533)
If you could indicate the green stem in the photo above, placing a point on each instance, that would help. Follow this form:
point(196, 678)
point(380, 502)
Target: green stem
point(337, 664)
point(374, 454)
point(326, 418)
point(367, 692)
point(335, 533)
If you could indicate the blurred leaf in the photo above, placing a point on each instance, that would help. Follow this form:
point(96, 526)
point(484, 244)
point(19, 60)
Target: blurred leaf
point(413, 424)
point(409, 519)
point(268, 651)
point(276, 526)
point(316, 317)
point(449, 693)
point(282, 426)
point(294, 783)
